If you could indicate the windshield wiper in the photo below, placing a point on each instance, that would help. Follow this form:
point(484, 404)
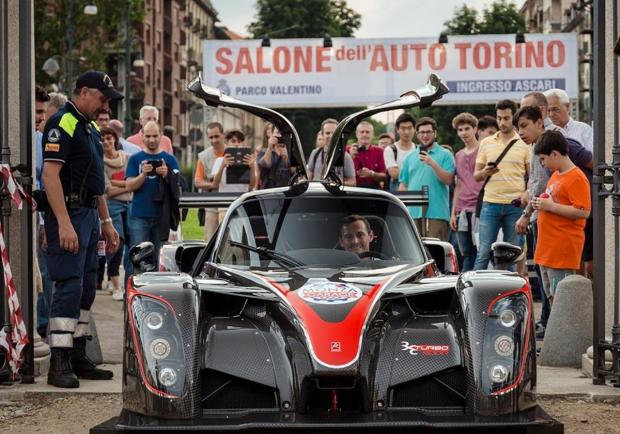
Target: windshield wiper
point(269, 253)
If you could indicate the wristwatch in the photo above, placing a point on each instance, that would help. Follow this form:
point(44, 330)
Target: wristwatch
point(106, 220)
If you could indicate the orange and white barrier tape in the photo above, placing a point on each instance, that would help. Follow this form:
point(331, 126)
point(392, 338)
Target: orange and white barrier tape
point(15, 341)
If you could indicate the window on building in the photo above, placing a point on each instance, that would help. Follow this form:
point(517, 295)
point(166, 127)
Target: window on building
point(147, 74)
point(158, 79)
point(158, 42)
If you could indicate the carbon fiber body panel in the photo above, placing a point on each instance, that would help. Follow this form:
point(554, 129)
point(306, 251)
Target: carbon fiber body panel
point(532, 421)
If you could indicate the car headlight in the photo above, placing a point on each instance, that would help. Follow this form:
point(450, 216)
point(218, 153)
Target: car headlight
point(504, 346)
point(506, 335)
point(154, 320)
point(159, 345)
point(507, 318)
point(498, 373)
point(160, 348)
point(167, 377)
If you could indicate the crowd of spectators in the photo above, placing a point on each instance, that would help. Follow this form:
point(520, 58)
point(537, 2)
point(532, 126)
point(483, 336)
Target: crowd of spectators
point(517, 175)
point(525, 171)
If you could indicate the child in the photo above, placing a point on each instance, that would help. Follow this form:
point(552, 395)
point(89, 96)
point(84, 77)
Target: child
point(563, 210)
point(242, 181)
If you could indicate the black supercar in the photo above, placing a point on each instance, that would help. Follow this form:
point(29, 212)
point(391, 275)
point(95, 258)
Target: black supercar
point(282, 322)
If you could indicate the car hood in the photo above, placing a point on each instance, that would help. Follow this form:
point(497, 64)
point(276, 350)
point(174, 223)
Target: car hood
point(332, 306)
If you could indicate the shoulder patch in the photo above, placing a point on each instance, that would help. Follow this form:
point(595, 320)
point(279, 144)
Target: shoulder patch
point(52, 147)
point(53, 135)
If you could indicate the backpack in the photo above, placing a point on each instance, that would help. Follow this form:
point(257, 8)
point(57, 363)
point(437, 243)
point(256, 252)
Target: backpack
point(388, 179)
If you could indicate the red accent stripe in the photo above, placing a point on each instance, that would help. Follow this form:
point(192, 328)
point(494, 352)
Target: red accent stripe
point(348, 332)
point(131, 294)
point(528, 293)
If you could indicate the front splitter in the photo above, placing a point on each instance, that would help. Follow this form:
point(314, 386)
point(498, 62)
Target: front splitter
point(534, 420)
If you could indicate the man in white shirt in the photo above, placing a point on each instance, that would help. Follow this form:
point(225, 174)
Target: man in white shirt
point(558, 107)
point(395, 154)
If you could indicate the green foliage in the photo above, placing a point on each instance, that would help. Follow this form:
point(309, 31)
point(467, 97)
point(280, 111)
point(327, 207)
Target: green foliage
point(464, 22)
point(95, 37)
point(308, 19)
point(500, 17)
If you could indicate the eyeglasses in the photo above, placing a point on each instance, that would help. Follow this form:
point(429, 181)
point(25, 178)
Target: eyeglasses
point(424, 133)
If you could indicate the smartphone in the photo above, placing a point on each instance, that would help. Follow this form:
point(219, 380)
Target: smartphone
point(238, 154)
point(154, 163)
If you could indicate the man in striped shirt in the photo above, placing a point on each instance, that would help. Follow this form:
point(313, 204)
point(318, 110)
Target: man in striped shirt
point(506, 183)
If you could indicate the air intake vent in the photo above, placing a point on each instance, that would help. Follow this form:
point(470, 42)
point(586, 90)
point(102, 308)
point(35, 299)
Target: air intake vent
point(443, 389)
point(222, 391)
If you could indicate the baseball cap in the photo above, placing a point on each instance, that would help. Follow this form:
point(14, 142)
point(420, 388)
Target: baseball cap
point(100, 81)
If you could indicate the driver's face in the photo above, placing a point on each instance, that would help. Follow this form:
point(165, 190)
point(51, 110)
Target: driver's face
point(355, 238)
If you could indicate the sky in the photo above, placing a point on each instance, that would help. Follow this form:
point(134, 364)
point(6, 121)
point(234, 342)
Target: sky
point(380, 18)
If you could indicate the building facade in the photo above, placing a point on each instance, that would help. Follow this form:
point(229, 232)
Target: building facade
point(160, 39)
point(200, 25)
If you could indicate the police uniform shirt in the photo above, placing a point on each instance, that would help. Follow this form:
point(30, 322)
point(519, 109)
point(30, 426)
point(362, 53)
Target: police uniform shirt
point(71, 139)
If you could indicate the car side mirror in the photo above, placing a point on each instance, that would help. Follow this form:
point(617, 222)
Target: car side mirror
point(142, 257)
point(504, 254)
point(443, 253)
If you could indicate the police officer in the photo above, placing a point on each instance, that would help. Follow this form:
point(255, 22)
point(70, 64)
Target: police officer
point(75, 211)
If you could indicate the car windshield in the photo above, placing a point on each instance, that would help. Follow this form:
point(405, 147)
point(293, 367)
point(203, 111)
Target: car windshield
point(318, 231)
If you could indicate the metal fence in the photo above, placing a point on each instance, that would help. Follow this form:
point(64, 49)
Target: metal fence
point(606, 184)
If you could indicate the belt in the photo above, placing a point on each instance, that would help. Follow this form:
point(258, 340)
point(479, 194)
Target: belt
point(89, 202)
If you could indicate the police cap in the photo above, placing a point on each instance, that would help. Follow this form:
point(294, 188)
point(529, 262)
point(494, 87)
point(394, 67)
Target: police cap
point(100, 81)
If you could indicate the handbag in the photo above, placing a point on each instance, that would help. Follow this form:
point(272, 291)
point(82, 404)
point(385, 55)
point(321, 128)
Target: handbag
point(486, 181)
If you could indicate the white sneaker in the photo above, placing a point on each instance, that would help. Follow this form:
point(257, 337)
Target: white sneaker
point(118, 294)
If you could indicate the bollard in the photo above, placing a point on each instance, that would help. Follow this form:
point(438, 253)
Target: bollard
point(569, 330)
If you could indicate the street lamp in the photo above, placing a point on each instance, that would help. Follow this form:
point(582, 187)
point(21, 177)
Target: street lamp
point(90, 8)
point(51, 67)
point(127, 99)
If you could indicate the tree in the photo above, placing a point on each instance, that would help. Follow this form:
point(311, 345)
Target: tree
point(500, 17)
point(306, 19)
point(464, 22)
point(96, 38)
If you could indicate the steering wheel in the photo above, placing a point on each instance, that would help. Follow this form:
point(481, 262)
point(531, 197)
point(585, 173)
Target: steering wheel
point(373, 254)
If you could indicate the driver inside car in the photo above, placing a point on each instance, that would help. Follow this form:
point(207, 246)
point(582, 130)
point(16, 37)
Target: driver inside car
point(356, 235)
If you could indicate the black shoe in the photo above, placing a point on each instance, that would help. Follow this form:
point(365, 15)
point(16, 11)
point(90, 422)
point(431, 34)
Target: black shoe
point(84, 368)
point(61, 373)
point(540, 332)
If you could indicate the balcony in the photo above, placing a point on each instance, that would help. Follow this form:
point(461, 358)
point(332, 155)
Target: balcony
point(167, 62)
point(167, 25)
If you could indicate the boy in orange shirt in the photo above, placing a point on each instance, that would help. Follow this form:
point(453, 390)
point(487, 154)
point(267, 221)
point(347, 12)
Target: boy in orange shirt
point(564, 208)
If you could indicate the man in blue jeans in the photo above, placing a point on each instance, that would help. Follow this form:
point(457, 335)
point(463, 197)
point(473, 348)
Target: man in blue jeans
point(144, 171)
point(506, 183)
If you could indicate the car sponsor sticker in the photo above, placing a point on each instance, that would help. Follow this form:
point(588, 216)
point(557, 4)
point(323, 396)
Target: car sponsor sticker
point(330, 293)
point(425, 349)
point(335, 347)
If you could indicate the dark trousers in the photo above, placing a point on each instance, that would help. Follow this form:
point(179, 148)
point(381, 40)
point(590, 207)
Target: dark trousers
point(74, 275)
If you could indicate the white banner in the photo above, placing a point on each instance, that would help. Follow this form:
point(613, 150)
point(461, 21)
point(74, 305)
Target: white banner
point(477, 69)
